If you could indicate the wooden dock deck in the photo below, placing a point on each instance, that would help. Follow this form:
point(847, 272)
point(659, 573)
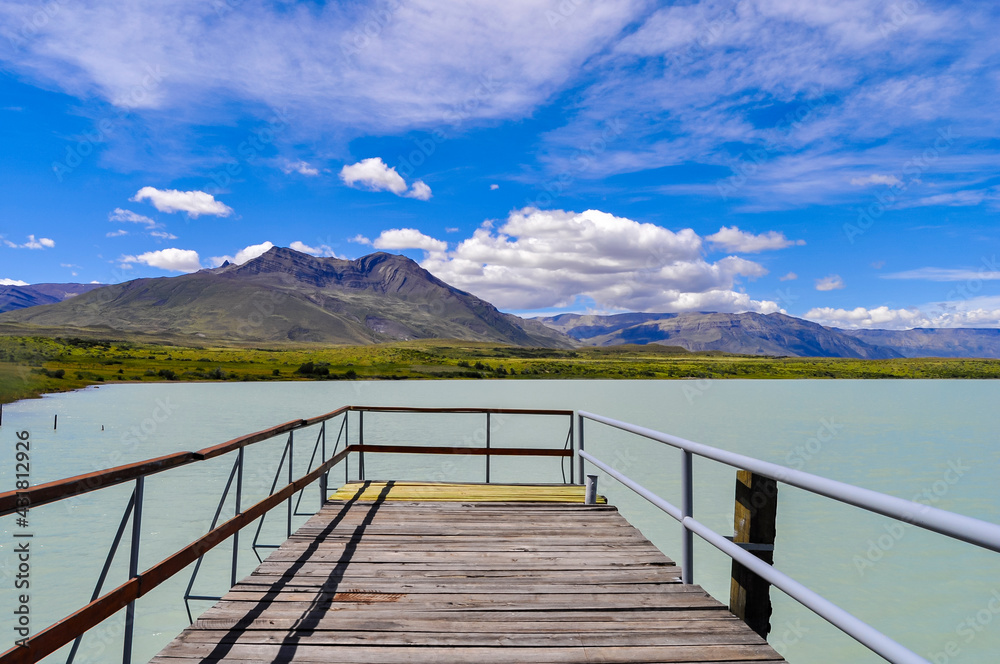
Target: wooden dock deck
point(425, 573)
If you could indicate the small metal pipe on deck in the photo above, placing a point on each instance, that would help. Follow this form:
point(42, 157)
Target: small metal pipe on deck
point(590, 497)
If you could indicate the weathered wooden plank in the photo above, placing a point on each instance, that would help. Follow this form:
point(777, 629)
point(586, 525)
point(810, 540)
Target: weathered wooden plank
point(460, 581)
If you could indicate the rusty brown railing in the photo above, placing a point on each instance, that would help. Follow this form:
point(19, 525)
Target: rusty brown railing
point(103, 606)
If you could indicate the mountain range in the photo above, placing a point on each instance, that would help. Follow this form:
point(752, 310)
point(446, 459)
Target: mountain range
point(21, 297)
point(285, 296)
point(288, 296)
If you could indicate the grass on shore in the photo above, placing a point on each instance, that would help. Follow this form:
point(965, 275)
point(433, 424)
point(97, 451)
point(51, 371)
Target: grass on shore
point(30, 366)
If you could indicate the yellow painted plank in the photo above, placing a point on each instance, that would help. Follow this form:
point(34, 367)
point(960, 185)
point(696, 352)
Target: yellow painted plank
point(479, 493)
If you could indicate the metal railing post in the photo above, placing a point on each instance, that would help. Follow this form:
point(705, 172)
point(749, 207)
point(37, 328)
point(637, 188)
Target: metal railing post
point(687, 510)
point(133, 569)
point(237, 510)
point(291, 451)
point(487, 448)
point(571, 436)
point(325, 477)
point(361, 441)
point(579, 448)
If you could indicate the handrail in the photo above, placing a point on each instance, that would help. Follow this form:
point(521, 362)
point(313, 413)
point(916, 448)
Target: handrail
point(139, 584)
point(957, 526)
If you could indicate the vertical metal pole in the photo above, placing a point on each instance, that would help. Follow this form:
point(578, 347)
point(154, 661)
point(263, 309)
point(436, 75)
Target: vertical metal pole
point(579, 447)
point(133, 569)
point(291, 478)
point(590, 497)
point(325, 477)
point(487, 448)
point(347, 441)
point(237, 511)
point(571, 442)
point(361, 441)
point(687, 510)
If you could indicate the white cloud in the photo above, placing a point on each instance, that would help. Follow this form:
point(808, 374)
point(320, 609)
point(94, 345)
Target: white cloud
point(118, 233)
point(791, 276)
point(175, 260)
point(300, 167)
point(375, 175)
point(731, 238)
point(163, 235)
point(360, 239)
point(408, 238)
point(321, 250)
point(381, 67)
point(494, 187)
point(832, 282)
point(945, 274)
point(121, 215)
point(243, 255)
point(553, 258)
point(420, 191)
point(876, 178)
point(860, 317)
point(12, 282)
point(194, 203)
point(32, 243)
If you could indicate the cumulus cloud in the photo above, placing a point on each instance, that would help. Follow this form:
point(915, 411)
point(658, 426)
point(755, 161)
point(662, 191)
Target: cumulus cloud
point(832, 282)
point(494, 187)
point(861, 317)
point(12, 282)
point(554, 258)
point(791, 276)
point(300, 167)
point(32, 243)
point(360, 239)
point(731, 238)
point(243, 255)
point(163, 235)
point(321, 250)
point(194, 203)
point(375, 175)
point(175, 260)
point(408, 238)
point(420, 191)
point(876, 178)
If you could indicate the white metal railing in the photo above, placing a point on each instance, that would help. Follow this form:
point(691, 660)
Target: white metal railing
point(956, 526)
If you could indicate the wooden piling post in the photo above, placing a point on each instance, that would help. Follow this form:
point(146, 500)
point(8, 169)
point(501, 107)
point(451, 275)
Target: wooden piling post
point(754, 524)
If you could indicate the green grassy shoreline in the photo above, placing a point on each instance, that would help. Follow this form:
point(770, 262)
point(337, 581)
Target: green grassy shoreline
point(33, 365)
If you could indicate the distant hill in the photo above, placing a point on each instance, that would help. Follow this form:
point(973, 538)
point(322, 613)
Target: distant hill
point(935, 342)
point(21, 297)
point(288, 296)
point(747, 333)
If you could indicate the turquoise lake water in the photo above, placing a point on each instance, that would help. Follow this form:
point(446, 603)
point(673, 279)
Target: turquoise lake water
point(937, 440)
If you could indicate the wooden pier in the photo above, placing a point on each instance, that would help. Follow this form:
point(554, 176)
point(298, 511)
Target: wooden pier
point(436, 573)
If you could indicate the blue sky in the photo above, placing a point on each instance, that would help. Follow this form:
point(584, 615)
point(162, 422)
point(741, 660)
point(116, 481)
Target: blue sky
point(836, 160)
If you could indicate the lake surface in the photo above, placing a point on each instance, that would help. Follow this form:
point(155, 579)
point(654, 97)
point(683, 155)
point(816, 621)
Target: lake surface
point(936, 439)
